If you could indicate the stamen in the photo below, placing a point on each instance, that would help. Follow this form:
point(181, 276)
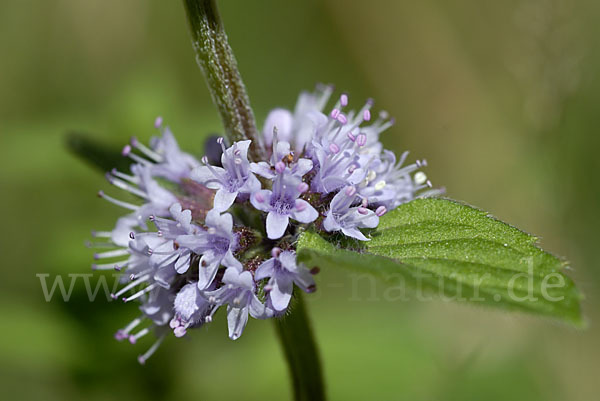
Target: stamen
point(124, 332)
point(130, 286)
point(111, 254)
point(104, 266)
point(126, 177)
point(123, 185)
point(134, 337)
point(145, 150)
point(158, 122)
point(117, 202)
point(141, 292)
point(380, 211)
point(143, 358)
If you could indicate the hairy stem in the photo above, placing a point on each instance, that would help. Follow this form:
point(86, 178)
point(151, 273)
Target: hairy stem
point(295, 334)
point(217, 62)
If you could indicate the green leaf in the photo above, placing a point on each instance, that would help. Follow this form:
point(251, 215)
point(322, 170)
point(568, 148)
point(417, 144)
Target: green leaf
point(447, 248)
point(98, 154)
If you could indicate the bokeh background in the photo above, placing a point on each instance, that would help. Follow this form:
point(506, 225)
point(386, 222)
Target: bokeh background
point(501, 97)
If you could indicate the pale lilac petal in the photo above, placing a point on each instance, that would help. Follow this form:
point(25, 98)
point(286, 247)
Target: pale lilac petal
point(258, 310)
point(237, 318)
point(125, 225)
point(303, 166)
point(307, 214)
point(208, 269)
point(183, 263)
point(222, 222)
point(232, 276)
point(281, 292)
point(266, 269)
point(246, 281)
point(288, 260)
point(276, 225)
point(263, 169)
point(206, 177)
point(251, 185)
point(197, 243)
point(371, 221)
point(283, 120)
point(186, 301)
point(354, 233)
point(261, 200)
point(230, 261)
point(224, 199)
point(164, 275)
point(330, 223)
point(163, 254)
point(304, 279)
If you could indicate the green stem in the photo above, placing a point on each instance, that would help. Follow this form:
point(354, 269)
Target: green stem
point(217, 62)
point(295, 334)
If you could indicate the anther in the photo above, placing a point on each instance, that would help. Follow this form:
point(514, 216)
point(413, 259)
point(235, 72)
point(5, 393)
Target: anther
point(361, 140)
point(344, 100)
point(350, 191)
point(300, 205)
point(367, 115)
point(275, 252)
point(302, 187)
point(280, 167)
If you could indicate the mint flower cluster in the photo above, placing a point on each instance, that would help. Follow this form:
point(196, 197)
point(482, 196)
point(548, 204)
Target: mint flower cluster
point(221, 232)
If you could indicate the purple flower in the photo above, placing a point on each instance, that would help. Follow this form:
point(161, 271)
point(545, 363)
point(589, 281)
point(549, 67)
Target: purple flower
point(283, 272)
point(343, 216)
point(239, 294)
point(281, 151)
point(338, 164)
point(163, 157)
point(169, 257)
point(157, 199)
point(283, 203)
point(191, 308)
point(390, 184)
point(216, 245)
point(230, 180)
point(299, 128)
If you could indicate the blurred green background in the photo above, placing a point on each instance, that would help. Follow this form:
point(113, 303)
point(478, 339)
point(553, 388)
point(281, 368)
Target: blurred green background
point(501, 97)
